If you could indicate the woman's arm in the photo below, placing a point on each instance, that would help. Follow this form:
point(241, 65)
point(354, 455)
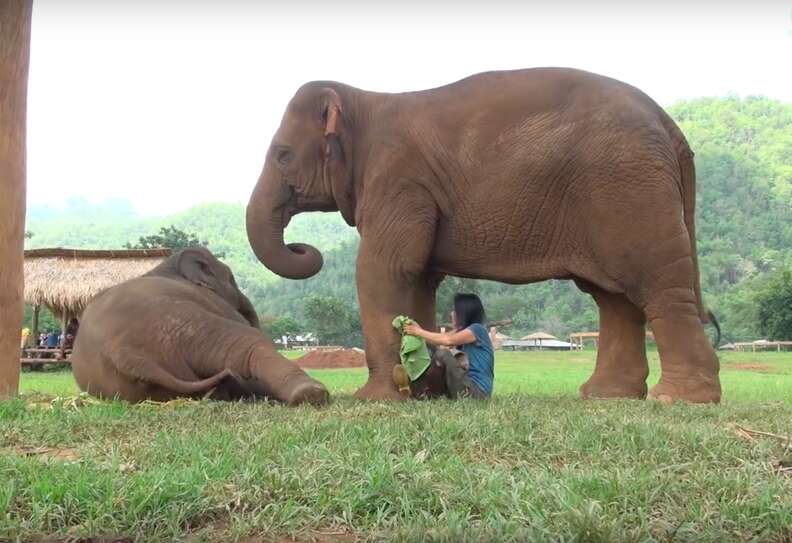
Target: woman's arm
point(462, 337)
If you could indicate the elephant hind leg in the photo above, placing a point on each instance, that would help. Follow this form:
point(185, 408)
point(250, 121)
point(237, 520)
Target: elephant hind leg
point(688, 362)
point(160, 384)
point(689, 365)
point(621, 369)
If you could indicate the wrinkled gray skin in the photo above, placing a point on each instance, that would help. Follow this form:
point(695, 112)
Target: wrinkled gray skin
point(183, 330)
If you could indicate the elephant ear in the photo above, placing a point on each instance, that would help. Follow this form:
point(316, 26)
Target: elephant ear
point(197, 269)
point(332, 111)
point(336, 168)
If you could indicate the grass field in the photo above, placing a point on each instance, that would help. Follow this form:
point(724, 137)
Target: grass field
point(534, 464)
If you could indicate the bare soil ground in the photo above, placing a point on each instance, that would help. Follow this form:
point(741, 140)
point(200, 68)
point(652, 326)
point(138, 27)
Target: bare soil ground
point(343, 358)
point(749, 367)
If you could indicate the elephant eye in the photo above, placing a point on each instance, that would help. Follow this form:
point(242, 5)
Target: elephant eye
point(284, 156)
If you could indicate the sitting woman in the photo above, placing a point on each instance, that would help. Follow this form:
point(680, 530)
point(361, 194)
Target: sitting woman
point(471, 338)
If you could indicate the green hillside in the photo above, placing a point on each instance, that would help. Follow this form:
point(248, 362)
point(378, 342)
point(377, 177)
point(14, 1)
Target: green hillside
point(85, 225)
point(744, 219)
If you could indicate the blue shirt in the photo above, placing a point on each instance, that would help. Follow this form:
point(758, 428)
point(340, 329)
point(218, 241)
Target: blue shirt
point(52, 340)
point(481, 358)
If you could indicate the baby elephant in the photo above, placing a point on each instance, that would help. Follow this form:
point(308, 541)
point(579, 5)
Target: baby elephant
point(183, 329)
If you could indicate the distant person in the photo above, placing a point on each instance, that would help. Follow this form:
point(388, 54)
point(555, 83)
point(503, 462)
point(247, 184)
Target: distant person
point(71, 333)
point(25, 335)
point(469, 336)
point(52, 340)
point(42, 340)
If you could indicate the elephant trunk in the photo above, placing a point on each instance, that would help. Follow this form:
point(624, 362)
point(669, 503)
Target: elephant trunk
point(267, 216)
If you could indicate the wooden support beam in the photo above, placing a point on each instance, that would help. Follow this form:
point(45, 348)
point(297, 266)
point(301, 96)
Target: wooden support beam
point(34, 332)
point(64, 324)
point(15, 17)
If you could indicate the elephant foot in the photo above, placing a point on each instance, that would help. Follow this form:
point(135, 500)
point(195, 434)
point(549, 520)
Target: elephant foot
point(613, 387)
point(379, 390)
point(311, 392)
point(698, 389)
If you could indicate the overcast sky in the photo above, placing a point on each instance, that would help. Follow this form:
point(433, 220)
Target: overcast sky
point(173, 103)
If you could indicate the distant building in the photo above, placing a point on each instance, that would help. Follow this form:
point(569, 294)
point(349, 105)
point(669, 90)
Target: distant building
point(498, 338)
point(297, 342)
point(538, 341)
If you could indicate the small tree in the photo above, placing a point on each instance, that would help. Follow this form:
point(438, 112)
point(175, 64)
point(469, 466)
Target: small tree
point(775, 307)
point(285, 326)
point(169, 237)
point(332, 320)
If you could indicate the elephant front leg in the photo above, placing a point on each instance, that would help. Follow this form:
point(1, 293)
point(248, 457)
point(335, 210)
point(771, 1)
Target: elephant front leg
point(273, 375)
point(392, 280)
point(221, 344)
point(424, 300)
point(380, 301)
point(432, 383)
point(382, 298)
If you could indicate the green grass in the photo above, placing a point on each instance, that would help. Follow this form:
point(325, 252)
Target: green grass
point(535, 463)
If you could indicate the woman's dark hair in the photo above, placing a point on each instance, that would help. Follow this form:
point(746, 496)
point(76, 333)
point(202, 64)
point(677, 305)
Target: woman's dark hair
point(468, 310)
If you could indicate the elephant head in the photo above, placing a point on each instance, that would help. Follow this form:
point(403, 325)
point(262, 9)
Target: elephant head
point(307, 168)
point(200, 267)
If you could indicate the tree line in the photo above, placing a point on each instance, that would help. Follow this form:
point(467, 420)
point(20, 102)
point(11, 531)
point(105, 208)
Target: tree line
point(743, 159)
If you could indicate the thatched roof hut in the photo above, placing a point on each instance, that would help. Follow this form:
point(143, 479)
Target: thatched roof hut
point(537, 336)
point(65, 280)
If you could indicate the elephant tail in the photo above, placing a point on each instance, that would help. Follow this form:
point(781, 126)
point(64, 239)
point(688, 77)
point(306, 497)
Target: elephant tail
point(716, 324)
point(687, 170)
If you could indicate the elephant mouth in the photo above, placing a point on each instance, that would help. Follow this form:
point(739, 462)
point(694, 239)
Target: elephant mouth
point(300, 202)
point(304, 203)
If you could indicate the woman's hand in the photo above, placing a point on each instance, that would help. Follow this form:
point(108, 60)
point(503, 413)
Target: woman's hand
point(413, 329)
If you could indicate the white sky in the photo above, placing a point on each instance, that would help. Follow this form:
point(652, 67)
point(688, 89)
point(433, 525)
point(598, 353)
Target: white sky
point(173, 103)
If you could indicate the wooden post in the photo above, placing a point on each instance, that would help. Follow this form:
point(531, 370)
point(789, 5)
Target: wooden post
point(34, 327)
point(15, 16)
point(64, 324)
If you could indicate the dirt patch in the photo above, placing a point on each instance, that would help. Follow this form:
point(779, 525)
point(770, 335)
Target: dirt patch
point(90, 540)
point(63, 454)
point(342, 358)
point(749, 367)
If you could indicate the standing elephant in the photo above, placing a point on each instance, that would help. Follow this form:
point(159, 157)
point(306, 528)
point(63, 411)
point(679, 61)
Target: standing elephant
point(183, 329)
point(515, 176)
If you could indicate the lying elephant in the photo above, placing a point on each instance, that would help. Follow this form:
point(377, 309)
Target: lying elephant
point(518, 177)
point(183, 329)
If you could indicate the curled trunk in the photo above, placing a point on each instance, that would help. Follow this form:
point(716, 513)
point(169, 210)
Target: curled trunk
point(267, 216)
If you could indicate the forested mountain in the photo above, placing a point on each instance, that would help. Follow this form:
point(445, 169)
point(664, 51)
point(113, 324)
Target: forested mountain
point(111, 225)
point(744, 229)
